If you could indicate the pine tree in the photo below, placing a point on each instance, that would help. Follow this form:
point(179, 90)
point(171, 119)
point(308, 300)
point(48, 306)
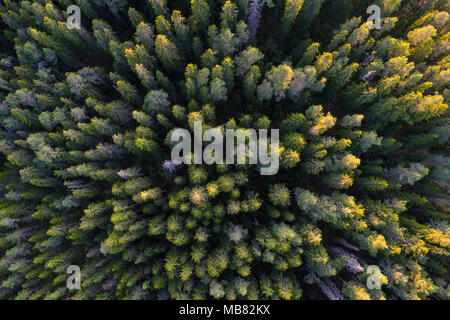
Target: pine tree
point(168, 53)
point(87, 176)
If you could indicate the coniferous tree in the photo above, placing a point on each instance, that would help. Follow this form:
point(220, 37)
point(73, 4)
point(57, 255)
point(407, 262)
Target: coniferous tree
point(87, 179)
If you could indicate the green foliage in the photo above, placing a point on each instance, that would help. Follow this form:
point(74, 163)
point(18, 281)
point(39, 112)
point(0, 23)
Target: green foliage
point(86, 176)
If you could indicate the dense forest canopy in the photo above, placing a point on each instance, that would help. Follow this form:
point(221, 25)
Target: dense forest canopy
point(87, 179)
